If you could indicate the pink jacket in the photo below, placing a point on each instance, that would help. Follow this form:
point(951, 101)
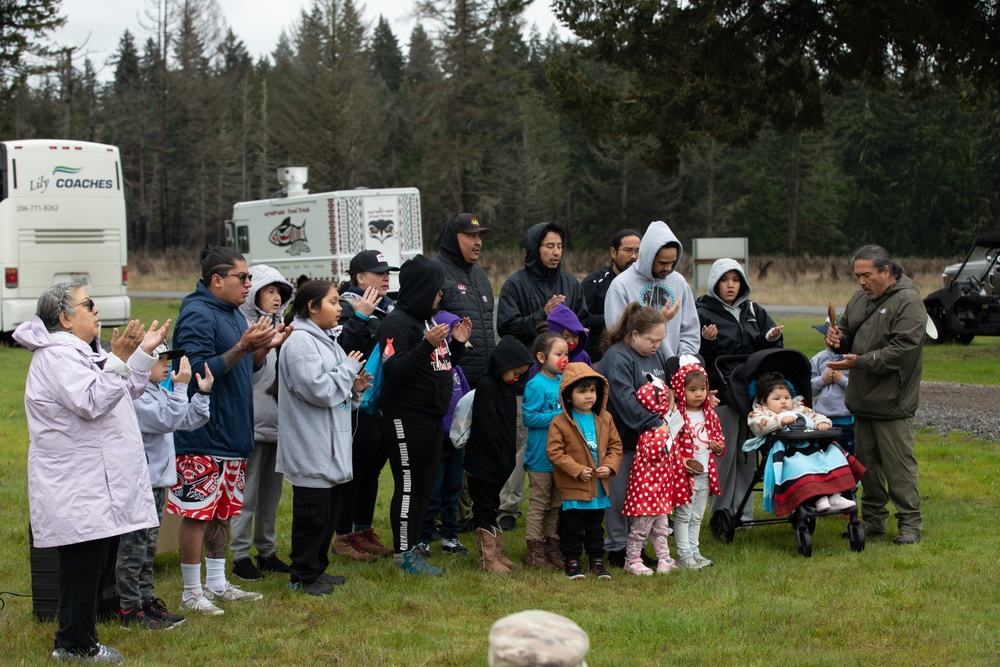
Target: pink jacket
point(87, 475)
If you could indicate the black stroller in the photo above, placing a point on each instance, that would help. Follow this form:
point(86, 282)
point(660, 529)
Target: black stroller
point(796, 368)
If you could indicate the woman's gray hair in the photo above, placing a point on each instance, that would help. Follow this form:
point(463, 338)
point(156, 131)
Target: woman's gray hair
point(879, 257)
point(55, 300)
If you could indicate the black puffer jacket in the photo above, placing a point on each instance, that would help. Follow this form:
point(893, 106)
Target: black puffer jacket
point(524, 295)
point(491, 452)
point(472, 297)
point(418, 382)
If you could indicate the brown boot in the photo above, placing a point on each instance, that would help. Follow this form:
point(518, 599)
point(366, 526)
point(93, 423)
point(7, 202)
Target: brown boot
point(552, 553)
point(343, 545)
point(500, 555)
point(486, 544)
point(368, 541)
point(535, 555)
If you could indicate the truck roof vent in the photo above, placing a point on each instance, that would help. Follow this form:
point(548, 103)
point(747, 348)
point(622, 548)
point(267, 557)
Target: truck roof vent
point(293, 180)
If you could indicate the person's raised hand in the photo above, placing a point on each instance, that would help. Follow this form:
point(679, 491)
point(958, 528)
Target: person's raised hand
point(154, 336)
point(257, 335)
point(710, 332)
point(123, 344)
point(366, 304)
point(357, 355)
point(833, 336)
point(362, 381)
point(551, 304)
point(462, 330)
point(436, 334)
point(206, 382)
point(183, 373)
point(281, 334)
point(670, 311)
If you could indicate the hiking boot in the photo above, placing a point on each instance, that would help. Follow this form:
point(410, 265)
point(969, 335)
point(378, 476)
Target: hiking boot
point(615, 558)
point(232, 593)
point(201, 605)
point(243, 569)
point(573, 570)
point(368, 541)
point(271, 564)
point(666, 566)
point(597, 567)
point(315, 588)
point(331, 579)
point(345, 545)
point(453, 546)
point(411, 562)
point(637, 567)
point(906, 537)
point(156, 609)
point(507, 522)
point(136, 618)
point(101, 655)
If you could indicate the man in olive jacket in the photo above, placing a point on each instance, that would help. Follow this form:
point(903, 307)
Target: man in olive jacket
point(881, 335)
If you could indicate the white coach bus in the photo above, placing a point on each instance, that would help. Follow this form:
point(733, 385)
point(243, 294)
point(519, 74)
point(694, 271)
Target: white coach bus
point(62, 217)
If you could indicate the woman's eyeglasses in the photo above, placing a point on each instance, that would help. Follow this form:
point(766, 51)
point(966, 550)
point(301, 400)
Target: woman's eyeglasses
point(89, 303)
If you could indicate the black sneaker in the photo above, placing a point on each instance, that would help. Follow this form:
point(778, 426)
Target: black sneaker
point(315, 588)
point(156, 609)
point(243, 569)
point(597, 567)
point(451, 545)
point(507, 522)
point(135, 618)
point(331, 579)
point(574, 571)
point(617, 558)
point(271, 564)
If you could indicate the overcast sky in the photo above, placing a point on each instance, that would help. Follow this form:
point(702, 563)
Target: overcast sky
point(100, 23)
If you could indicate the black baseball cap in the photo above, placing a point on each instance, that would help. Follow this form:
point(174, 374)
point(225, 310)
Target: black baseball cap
point(466, 223)
point(370, 260)
point(162, 351)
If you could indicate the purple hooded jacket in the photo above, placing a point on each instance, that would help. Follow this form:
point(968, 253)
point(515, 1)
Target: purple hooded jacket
point(562, 318)
point(461, 384)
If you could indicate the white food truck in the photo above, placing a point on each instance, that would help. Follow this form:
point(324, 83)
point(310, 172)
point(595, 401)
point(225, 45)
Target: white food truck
point(316, 235)
point(62, 218)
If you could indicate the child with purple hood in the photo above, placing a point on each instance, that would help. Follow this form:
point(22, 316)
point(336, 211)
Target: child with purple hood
point(451, 473)
point(564, 322)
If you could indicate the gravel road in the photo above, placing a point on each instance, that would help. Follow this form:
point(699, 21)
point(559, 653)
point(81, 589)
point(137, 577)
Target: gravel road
point(971, 408)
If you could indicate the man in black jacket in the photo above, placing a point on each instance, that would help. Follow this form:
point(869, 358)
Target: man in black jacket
point(526, 300)
point(624, 252)
point(472, 295)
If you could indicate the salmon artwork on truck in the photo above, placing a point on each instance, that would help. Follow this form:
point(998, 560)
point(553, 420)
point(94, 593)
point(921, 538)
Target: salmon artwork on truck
point(316, 234)
point(62, 218)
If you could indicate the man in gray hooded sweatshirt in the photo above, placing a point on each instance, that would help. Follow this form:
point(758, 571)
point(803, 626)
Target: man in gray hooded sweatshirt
point(652, 281)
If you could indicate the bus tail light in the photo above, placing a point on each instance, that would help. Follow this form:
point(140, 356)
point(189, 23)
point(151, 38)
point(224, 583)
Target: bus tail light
point(10, 277)
point(125, 276)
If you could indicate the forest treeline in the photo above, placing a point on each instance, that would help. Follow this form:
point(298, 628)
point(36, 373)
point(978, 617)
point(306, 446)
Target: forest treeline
point(462, 108)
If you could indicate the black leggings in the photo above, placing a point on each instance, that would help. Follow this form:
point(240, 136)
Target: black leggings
point(485, 498)
point(368, 456)
point(414, 452)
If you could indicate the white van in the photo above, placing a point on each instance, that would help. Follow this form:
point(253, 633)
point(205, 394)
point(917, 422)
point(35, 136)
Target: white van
point(316, 235)
point(62, 217)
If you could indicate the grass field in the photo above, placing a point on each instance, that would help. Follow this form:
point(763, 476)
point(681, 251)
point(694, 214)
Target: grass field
point(931, 604)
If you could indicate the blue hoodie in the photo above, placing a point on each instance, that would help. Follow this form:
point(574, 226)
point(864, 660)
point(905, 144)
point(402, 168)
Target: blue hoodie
point(206, 328)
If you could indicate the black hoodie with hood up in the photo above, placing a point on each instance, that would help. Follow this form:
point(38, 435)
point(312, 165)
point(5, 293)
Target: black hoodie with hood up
point(491, 452)
point(418, 380)
point(524, 295)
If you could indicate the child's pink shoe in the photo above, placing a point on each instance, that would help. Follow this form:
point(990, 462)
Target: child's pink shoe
point(636, 567)
point(666, 565)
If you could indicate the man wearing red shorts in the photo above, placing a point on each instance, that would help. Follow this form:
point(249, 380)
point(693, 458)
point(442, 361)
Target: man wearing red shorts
point(211, 460)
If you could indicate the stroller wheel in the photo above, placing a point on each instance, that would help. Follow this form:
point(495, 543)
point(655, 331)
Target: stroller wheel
point(804, 541)
point(723, 525)
point(856, 536)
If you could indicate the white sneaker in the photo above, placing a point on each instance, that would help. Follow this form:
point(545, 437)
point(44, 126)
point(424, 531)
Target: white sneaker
point(702, 561)
point(822, 504)
point(689, 563)
point(199, 604)
point(839, 502)
point(232, 593)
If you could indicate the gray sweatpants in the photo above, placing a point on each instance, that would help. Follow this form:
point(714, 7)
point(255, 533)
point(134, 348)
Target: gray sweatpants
point(261, 495)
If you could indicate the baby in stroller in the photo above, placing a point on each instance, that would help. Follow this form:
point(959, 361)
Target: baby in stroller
point(798, 471)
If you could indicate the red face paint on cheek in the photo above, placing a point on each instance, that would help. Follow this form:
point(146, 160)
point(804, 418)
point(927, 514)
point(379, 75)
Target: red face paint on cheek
point(513, 380)
point(562, 364)
point(572, 345)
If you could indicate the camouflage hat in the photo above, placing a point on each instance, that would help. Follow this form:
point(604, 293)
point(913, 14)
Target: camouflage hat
point(536, 637)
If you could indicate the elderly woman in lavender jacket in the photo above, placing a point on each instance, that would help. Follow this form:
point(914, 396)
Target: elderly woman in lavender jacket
point(87, 476)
